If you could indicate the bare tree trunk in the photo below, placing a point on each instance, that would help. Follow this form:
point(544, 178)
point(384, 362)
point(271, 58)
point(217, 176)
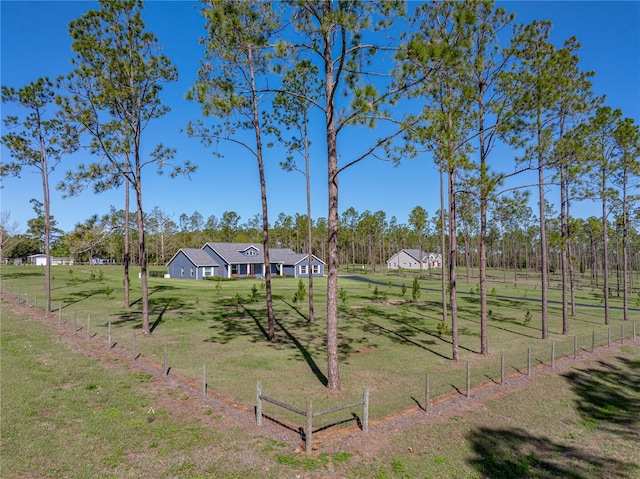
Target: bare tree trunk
point(265, 217)
point(484, 341)
point(309, 231)
point(452, 264)
point(127, 258)
point(443, 247)
point(467, 256)
point(146, 329)
point(572, 281)
point(544, 255)
point(333, 371)
point(605, 254)
point(47, 234)
point(625, 251)
point(564, 210)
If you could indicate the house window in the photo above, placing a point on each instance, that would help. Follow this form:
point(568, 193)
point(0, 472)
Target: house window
point(234, 269)
point(304, 269)
point(182, 271)
point(207, 271)
point(191, 272)
point(315, 269)
point(251, 252)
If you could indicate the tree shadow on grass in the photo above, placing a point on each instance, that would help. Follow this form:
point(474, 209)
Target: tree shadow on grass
point(154, 290)
point(402, 335)
point(305, 354)
point(609, 396)
point(78, 296)
point(21, 274)
point(514, 453)
point(234, 320)
point(158, 307)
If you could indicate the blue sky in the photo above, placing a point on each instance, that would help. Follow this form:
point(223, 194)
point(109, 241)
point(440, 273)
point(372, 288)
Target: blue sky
point(35, 43)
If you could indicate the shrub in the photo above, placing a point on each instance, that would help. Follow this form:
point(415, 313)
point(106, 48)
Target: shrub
point(415, 291)
point(344, 296)
point(253, 296)
point(443, 328)
point(301, 293)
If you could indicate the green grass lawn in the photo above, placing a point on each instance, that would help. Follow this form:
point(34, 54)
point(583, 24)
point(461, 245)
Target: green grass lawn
point(387, 341)
point(65, 415)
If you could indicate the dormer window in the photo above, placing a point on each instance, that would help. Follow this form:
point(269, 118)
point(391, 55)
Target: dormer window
point(251, 252)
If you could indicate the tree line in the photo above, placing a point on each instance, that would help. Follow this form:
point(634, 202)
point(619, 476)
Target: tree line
point(461, 78)
point(367, 240)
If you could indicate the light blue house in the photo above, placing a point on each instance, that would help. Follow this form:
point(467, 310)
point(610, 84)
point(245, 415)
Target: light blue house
point(239, 260)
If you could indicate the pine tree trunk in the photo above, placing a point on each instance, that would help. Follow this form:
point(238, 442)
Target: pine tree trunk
point(443, 247)
point(544, 254)
point(452, 264)
point(127, 258)
point(333, 372)
point(146, 329)
point(605, 254)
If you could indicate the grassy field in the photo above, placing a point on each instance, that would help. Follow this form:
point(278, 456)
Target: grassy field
point(387, 341)
point(65, 415)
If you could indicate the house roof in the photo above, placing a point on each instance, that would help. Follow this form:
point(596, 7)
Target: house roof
point(197, 256)
point(234, 253)
point(415, 254)
point(42, 255)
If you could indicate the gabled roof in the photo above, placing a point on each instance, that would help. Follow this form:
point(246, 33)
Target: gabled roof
point(233, 253)
point(197, 256)
point(415, 254)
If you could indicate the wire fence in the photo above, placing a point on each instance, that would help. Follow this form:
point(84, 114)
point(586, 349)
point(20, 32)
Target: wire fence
point(461, 379)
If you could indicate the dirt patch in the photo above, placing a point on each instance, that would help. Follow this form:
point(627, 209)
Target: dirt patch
point(365, 350)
